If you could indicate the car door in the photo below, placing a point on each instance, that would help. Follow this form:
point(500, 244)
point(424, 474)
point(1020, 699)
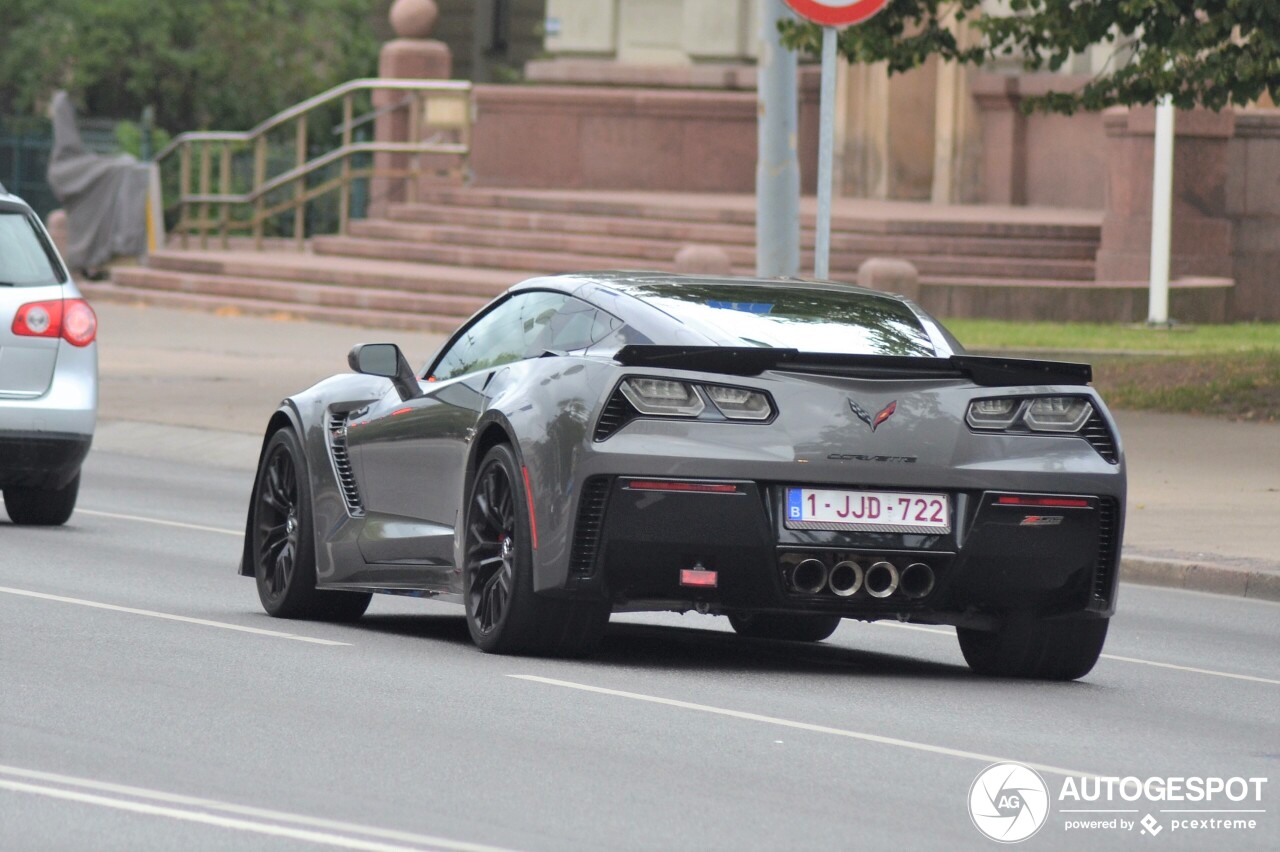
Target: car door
point(413, 452)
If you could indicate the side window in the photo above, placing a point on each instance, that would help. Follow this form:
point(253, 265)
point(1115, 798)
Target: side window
point(505, 334)
point(576, 326)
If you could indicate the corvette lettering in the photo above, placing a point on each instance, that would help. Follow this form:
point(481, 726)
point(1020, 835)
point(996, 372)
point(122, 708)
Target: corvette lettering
point(866, 458)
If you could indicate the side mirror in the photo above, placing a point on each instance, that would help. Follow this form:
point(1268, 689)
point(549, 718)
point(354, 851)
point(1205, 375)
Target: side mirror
point(386, 360)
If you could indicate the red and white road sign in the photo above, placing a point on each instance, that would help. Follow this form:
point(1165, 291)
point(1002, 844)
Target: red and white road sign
point(836, 13)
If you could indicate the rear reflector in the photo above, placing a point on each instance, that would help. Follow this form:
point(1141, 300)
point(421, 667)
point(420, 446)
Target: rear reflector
point(681, 485)
point(533, 517)
point(1055, 502)
point(698, 578)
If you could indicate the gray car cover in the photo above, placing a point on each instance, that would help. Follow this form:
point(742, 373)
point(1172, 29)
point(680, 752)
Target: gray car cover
point(105, 197)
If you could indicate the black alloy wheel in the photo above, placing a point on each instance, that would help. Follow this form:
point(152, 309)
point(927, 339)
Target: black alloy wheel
point(504, 614)
point(491, 549)
point(276, 520)
point(283, 548)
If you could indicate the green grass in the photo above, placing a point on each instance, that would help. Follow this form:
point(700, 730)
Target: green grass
point(1228, 371)
point(982, 334)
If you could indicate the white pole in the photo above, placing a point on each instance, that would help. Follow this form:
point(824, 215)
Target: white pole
point(826, 130)
point(777, 164)
point(1161, 214)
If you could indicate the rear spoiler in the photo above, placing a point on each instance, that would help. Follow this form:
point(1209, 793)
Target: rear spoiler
point(752, 361)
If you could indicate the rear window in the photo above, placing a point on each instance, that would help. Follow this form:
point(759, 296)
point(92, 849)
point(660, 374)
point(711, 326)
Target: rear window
point(810, 319)
point(26, 260)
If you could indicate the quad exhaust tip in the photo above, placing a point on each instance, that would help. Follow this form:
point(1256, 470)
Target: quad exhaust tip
point(809, 576)
point(845, 578)
point(882, 580)
point(917, 580)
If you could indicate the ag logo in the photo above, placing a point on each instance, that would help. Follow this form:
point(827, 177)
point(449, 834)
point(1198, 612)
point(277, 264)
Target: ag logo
point(1008, 802)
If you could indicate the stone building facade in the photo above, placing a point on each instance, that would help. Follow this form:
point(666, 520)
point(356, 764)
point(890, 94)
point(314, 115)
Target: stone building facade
point(661, 95)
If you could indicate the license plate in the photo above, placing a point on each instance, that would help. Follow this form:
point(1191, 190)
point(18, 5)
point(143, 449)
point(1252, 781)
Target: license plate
point(867, 511)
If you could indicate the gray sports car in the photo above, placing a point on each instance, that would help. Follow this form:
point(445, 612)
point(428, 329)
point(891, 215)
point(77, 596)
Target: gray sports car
point(783, 452)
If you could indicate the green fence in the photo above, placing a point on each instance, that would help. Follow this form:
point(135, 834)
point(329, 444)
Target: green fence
point(25, 146)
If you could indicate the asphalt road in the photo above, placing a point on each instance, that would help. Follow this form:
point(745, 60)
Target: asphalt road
point(146, 702)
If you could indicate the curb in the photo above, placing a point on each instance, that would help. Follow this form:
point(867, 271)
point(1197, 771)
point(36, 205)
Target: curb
point(1194, 576)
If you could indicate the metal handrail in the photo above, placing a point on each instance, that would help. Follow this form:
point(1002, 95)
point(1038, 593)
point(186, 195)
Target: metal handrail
point(393, 159)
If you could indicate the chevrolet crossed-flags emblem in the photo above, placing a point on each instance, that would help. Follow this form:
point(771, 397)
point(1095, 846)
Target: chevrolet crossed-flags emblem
point(881, 416)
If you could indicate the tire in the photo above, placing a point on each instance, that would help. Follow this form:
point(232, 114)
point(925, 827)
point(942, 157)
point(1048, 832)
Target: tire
point(795, 628)
point(504, 615)
point(1027, 648)
point(283, 546)
point(42, 507)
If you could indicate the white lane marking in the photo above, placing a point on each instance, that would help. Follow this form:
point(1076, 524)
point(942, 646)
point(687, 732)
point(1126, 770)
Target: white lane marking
point(802, 726)
point(207, 819)
point(244, 810)
point(1191, 669)
point(169, 616)
point(1114, 657)
point(902, 626)
point(139, 518)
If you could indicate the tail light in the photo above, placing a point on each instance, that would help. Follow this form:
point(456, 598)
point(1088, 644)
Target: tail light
point(71, 319)
point(1062, 414)
point(663, 397)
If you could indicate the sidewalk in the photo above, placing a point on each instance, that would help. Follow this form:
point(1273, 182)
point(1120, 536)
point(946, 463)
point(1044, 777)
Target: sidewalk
point(1204, 495)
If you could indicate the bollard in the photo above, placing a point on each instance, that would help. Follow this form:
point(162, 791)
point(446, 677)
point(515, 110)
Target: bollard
point(890, 275)
point(703, 260)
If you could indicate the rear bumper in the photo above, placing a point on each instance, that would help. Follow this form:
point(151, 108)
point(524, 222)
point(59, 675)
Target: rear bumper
point(44, 440)
point(69, 406)
point(41, 459)
point(631, 544)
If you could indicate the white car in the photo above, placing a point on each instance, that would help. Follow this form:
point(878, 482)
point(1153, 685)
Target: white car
point(48, 372)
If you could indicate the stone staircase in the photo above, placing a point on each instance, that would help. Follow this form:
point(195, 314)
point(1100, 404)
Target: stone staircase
point(430, 264)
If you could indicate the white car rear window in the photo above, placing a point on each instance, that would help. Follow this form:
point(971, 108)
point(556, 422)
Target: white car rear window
point(25, 259)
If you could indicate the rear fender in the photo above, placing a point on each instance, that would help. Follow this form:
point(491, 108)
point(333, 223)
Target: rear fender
point(550, 430)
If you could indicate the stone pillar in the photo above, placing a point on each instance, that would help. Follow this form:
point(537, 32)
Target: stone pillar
point(862, 131)
point(886, 140)
point(1202, 234)
point(1004, 139)
point(409, 56)
point(1254, 207)
point(955, 151)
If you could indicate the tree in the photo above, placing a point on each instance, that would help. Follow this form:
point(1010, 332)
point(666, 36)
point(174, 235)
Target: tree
point(219, 64)
point(1207, 53)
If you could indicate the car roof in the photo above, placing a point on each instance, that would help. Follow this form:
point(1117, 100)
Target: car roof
point(624, 281)
point(9, 201)
point(625, 295)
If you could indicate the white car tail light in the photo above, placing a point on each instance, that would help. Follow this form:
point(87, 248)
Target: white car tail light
point(71, 319)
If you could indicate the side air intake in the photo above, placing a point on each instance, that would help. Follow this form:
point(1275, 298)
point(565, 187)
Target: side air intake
point(342, 463)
